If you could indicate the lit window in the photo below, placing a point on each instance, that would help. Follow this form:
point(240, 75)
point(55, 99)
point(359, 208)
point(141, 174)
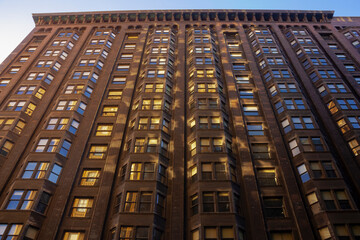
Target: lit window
point(6, 148)
point(104, 130)
point(354, 145)
point(109, 111)
point(267, 177)
point(81, 207)
point(324, 233)
point(97, 151)
point(90, 177)
point(114, 94)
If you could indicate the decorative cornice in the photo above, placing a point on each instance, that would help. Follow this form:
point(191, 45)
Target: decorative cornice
point(183, 15)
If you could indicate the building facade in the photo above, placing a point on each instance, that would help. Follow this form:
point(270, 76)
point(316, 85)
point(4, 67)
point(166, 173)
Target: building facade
point(182, 124)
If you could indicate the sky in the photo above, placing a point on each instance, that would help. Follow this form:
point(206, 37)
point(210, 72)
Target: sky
point(16, 19)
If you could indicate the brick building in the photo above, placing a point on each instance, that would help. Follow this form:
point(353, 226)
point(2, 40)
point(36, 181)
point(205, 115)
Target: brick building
point(182, 124)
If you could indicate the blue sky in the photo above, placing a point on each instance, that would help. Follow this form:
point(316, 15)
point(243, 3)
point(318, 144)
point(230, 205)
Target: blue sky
point(16, 21)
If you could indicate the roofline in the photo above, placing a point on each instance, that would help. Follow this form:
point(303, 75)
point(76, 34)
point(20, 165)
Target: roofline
point(184, 14)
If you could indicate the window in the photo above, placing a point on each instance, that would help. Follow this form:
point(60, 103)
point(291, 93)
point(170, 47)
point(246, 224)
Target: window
point(57, 123)
point(194, 204)
point(221, 204)
point(294, 147)
point(65, 147)
point(282, 236)
point(354, 121)
point(47, 145)
point(296, 103)
point(350, 67)
point(343, 232)
point(325, 74)
point(343, 125)
point(142, 171)
point(246, 93)
point(193, 148)
point(103, 130)
point(97, 151)
point(250, 110)
point(130, 202)
point(55, 173)
point(356, 43)
point(287, 87)
point(90, 177)
point(324, 233)
point(119, 80)
point(139, 145)
point(14, 70)
point(21, 200)
point(354, 145)
point(31, 49)
point(10, 231)
point(267, 177)
point(123, 67)
point(337, 87)
point(138, 233)
point(43, 202)
point(4, 82)
point(335, 199)
point(6, 148)
point(81, 108)
point(346, 104)
point(23, 59)
point(332, 107)
point(145, 201)
point(236, 55)
point(255, 129)
point(242, 79)
point(311, 144)
point(129, 46)
point(48, 79)
point(273, 207)
point(81, 207)
point(286, 125)
point(66, 105)
point(304, 175)
point(302, 122)
point(323, 169)
point(260, 150)
point(109, 111)
point(35, 170)
point(114, 94)
point(214, 171)
point(239, 67)
point(126, 56)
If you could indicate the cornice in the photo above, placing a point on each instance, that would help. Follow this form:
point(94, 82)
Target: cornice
point(183, 15)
